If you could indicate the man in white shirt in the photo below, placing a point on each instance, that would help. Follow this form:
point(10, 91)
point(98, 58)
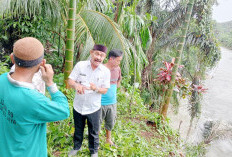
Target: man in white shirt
point(90, 79)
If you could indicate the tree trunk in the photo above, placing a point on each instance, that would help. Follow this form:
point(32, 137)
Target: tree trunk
point(70, 41)
point(193, 102)
point(118, 11)
point(147, 70)
point(177, 60)
point(194, 96)
point(189, 129)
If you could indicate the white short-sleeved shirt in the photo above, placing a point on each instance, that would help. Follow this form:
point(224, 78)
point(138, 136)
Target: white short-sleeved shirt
point(84, 74)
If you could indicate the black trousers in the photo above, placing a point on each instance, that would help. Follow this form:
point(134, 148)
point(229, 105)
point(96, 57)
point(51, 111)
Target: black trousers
point(93, 122)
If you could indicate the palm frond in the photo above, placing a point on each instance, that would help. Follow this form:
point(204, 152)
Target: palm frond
point(83, 36)
point(134, 28)
point(151, 6)
point(98, 5)
point(169, 4)
point(46, 8)
point(139, 58)
point(173, 21)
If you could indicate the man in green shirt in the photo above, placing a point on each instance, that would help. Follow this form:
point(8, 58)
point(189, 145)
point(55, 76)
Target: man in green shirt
point(23, 110)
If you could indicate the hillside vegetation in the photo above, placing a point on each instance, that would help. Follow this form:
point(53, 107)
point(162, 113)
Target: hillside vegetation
point(168, 46)
point(223, 32)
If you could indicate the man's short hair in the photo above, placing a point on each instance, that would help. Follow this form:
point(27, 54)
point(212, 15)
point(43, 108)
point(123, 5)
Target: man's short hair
point(115, 53)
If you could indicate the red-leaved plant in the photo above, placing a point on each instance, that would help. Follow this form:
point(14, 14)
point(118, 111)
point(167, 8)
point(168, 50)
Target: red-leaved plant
point(181, 85)
point(199, 88)
point(164, 78)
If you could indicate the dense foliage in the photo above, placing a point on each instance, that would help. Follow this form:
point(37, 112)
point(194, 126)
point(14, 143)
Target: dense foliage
point(148, 32)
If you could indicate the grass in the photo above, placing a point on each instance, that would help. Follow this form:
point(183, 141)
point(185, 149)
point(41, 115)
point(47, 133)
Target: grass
point(133, 135)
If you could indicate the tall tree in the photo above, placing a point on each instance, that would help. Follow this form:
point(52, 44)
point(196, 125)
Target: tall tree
point(118, 11)
point(135, 29)
point(180, 47)
point(69, 51)
point(169, 15)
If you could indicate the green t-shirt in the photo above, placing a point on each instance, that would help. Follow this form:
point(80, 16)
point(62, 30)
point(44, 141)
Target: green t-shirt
point(23, 116)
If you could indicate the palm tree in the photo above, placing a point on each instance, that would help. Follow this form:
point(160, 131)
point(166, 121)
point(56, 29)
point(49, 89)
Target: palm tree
point(177, 60)
point(162, 20)
point(169, 15)
point(118, 11)
point(201, 51)
point(95, 27)
point(136, 31)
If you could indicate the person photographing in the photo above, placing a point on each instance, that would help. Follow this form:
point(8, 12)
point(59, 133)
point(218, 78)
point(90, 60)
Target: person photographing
point(24, 111)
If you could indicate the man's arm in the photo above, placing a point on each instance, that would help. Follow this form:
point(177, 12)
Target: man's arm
point(77, 86)
point(119, 79)
point(73, 77)
point(46, 110)
point(97, 89)
point(102, 90)
point(118, 83)
point(73, 84)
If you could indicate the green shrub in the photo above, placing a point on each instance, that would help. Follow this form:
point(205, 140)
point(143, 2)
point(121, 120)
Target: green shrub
point(3, 67)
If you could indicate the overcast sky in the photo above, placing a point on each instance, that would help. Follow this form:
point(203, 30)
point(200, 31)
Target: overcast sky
point(223, 12)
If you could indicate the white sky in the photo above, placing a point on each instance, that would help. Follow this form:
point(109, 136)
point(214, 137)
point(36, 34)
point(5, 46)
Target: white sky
point(223, 12)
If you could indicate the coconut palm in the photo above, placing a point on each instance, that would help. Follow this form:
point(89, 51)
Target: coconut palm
point(169, 15)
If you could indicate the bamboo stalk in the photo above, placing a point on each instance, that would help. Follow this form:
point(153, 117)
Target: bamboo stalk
point(177, 60)
point(70, 41)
